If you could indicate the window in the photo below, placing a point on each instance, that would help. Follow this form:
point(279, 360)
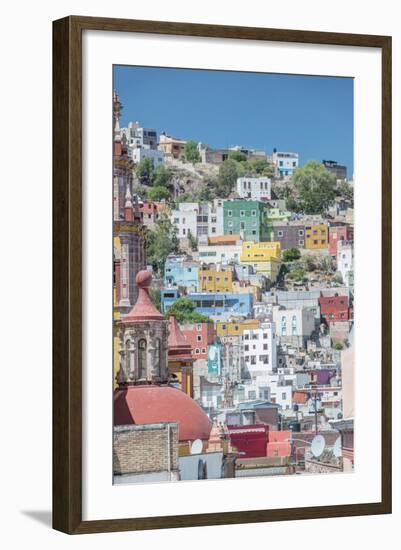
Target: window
point(253, 359)
point(158, 348)
point(242, 213)
point(176, 220)
point(199, 338)
point(284, 395)
point(142, 348)
point(264, 346)
point(301, 242)
point(197, 351)
point(253, 212)
point(301, 232)
point(199, 326)
point(246, 347)
point(252, 394)
point(280, 233)
point(229, 213)
point(203, 350)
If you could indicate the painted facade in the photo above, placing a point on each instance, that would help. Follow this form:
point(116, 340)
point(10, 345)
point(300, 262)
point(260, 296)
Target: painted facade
point(245, 218)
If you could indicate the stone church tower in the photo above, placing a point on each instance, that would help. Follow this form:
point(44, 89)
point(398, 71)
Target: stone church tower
point(143, 335)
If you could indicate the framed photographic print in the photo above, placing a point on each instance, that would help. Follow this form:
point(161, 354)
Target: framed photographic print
point(222, 275)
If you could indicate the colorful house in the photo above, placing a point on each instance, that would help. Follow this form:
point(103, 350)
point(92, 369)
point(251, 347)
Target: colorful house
point(264, 256)
point(220, 249)
point(245, 218)
point(200, 336)
point(215, 280)
point(334, 308)
point(232, 328)
point(222, 304)
point(316, 235)
point(181, 271)
point(339, 233)
point(279, 443)
point(180, 360)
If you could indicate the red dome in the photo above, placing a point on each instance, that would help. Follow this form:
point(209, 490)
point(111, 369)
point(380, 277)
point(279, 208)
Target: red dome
point(153, 404)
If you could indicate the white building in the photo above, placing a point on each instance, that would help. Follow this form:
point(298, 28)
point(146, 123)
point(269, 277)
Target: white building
point(260, 351)
point(145, 138)
point(217, 253)
point(294, 326)
point(281, 385)
point(139, 153)
point(216, 218)
point(286, 163)
point(185, 219)
point(345, 260)
point(254, 188)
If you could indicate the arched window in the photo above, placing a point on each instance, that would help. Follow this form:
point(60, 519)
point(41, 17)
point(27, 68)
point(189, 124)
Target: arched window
point(128, 357)
point(142, 345)
point(158, 356)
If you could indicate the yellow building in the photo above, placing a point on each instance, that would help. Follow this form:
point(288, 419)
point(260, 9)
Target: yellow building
point(241, 287)
point(213, 280)
point(316, 236)
point(264, 256)
point(233, 328)
point(260, 252)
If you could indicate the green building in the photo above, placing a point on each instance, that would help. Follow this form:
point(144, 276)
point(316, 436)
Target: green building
point(246, 218)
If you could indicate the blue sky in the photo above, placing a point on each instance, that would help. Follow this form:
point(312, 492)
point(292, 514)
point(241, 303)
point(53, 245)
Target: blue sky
point(311, 115)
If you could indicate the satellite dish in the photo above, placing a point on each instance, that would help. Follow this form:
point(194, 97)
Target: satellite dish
point(196, 447)
point(337, 451)
point(318, 445)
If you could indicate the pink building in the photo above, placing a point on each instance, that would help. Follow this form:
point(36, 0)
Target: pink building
point(339, 233)
point(278, 444)
point(199, 336)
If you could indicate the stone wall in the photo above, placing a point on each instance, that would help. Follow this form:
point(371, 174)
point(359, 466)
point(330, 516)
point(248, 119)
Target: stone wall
point(145, 448)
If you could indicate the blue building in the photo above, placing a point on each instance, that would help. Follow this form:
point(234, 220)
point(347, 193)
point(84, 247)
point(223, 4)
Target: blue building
point(181, 271)
point(286, 163)
point(218, 305)
point(167, 298)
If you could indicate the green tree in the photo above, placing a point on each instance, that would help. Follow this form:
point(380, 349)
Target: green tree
point(159, 193)
point(262, 168)
point(161, 241)
point(346, 191)
point(184, 310)
point(297, 274)
point(228, 174)
point(156, 297)
point(206, 194)
point(238, 156)
point(315, 186)
point(193, 243)
point(291, 254)
point(191, 152)
point(144, 171)
point(161, 176)
point(339, 346)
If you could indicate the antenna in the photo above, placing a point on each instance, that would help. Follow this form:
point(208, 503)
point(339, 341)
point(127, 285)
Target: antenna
point(317, 446)
point(337, 451)
point(196, 447)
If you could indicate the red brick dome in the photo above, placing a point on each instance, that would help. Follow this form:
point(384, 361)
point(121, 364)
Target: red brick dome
point(153, 404)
